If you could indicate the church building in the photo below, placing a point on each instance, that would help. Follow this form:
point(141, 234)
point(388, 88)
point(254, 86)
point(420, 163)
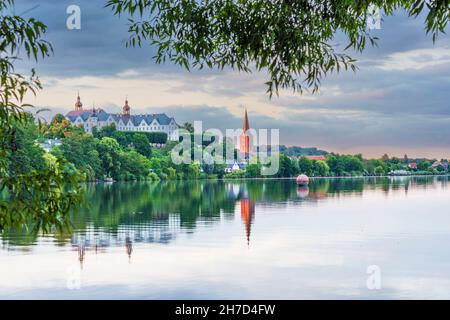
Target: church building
point(125, 121)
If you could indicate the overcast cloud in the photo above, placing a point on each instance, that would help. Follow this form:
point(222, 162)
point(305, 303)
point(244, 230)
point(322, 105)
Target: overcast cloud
point(398, 101)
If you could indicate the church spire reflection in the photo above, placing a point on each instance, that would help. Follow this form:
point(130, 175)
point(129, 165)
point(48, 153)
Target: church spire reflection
point(129, 248)
point(247, 214)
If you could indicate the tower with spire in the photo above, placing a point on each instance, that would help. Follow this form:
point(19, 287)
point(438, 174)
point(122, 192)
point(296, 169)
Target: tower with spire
point(126, 108)
point(78, 104)
point(244, 146)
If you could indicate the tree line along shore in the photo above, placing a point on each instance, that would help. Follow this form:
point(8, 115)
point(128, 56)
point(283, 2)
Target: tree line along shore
point(109, 154)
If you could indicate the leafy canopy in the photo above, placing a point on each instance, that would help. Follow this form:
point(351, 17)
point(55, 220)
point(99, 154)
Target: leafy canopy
point(290, 39)
point(44, 195)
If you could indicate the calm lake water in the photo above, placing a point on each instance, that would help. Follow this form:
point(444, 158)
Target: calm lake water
point(269, 239)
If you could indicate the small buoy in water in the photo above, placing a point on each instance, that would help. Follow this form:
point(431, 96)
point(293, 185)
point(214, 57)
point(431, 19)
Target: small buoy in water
point(302, 180)
point(302, 192)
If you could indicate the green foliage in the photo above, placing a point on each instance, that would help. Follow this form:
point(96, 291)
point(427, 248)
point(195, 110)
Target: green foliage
point(140, 142)
point(127, 139)
point(157, 137)
point(253, 170)
point(80, 150)
point(292, 40)
point(287, 167)
point(321, 168)
point(423, 165)
point(238, 174)
point(295, 151)
point(345, 165)
point(32, 190)
point(306, 166)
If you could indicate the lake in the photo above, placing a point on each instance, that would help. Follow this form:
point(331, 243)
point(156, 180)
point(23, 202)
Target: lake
point(343, 238)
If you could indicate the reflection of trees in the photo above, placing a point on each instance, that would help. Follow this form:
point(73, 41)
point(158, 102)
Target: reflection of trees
point(157, 212)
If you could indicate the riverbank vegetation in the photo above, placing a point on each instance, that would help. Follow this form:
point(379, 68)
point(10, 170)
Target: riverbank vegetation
point(34, 186)
point(108, 154)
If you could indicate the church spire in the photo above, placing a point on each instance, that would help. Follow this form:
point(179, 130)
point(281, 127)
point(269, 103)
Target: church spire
point(246, 125)
point(244, 145)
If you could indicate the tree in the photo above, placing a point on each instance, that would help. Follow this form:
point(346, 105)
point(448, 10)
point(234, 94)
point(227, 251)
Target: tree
point(253, 170)
point(141, 144)
point(320, 168)
point(345, 164)
point(292, 40)
point(109, 151)
point(287, 167)
point(423, 165)
point(376, 167)
point(45, 197)
point(188, 126)
point(58, 119)
point(379, 171)
point(157, 137)
point(133, 166)
point(336, 165)
point(106, 131)
point(305, 166)
point(193, 171)
point(80, 150)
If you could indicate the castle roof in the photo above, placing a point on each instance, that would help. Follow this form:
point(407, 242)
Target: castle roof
point(136, 120)
point(125, 116)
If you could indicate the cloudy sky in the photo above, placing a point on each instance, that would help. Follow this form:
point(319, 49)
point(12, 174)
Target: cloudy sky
point(398, 101)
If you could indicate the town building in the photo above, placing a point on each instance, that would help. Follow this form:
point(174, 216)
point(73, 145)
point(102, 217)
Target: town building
point(49, 144)
point(125, 121)
point(317, 158)
point(412, 165)
point(442, 163)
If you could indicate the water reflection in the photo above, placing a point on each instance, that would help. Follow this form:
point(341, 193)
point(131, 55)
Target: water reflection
point(193, 239)
point(122, 214)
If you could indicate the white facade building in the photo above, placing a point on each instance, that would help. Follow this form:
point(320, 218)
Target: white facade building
point(124, 121)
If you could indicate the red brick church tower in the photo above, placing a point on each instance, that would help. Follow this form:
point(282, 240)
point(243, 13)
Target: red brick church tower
point(245, 146)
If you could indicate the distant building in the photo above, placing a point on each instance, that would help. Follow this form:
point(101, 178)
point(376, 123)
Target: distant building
point(412, 165)
point(49, 144)
point(436, 164)
point(125, 121)
point(233, 165)
point(398, 173)
point(321, 158)
point(443, 164)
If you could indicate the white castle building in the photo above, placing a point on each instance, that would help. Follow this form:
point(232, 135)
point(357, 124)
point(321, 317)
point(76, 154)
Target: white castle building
point(125, 121)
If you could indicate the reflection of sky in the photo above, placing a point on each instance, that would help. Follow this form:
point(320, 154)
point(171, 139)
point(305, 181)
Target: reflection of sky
point(298, 249)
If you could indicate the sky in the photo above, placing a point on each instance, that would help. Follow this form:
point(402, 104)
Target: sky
point(396, 103)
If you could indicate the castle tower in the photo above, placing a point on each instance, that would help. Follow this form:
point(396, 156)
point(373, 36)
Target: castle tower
point(78, 104)
point(244, 146)
point(126, 108)
point(92, 121)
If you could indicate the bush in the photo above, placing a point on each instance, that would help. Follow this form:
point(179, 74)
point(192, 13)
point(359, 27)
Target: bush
point(235, 175)
point(153, 176)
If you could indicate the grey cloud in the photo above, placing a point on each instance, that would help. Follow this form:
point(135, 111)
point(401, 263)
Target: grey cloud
point(404, 108)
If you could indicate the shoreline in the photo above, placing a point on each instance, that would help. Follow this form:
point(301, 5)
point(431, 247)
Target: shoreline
point(276, 178)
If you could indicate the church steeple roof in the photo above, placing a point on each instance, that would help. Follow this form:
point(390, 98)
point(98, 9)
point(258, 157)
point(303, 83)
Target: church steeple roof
point(78, 104)
point(246, 125)
point(126, 108)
